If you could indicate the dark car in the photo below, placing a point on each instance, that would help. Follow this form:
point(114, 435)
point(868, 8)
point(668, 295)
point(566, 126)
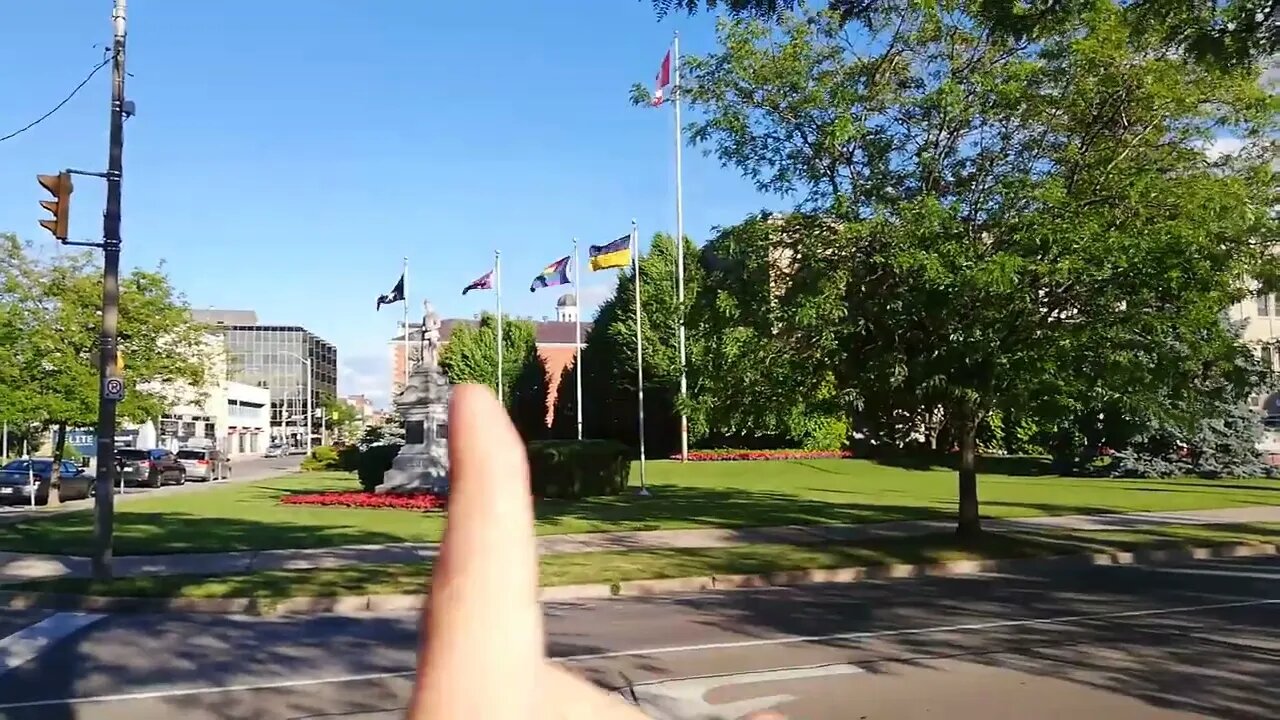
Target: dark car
point(17, 476)
point(205, 464)
point(149, 468)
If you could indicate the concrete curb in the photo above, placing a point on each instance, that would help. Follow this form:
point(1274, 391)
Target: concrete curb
point(353, 604)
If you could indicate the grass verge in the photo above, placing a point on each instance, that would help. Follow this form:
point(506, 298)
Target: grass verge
point(611, 567)
point(249, 516)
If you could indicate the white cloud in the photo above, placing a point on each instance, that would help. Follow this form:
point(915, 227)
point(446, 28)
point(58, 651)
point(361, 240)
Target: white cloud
point(1224, 146)
point(1271, 75)
point(367, 375)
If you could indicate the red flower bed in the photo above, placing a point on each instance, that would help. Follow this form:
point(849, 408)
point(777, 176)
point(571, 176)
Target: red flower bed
point(722, 455)
point(424, 502)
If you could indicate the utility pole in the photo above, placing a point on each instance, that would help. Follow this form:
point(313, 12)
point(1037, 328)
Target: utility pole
point(104, 504)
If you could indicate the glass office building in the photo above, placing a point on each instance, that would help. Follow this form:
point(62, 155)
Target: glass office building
point(274, 357)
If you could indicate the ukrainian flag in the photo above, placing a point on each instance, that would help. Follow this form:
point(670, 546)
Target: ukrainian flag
point(613, 255)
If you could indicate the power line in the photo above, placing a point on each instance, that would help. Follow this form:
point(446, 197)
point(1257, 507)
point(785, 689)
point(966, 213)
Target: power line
point(58, 107)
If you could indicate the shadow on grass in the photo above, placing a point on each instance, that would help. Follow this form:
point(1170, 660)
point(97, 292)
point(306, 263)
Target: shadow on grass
point(1013, 465)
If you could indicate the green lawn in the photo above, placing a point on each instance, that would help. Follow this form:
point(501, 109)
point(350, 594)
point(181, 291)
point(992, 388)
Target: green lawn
point(730, 494)
point(613, 567)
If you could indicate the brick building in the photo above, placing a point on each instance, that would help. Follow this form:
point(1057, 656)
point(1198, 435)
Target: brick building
point(554, 339)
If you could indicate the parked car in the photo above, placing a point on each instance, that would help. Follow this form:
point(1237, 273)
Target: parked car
point(205, 464)
point(149, 468)
point(16, 476)
point(275, 450)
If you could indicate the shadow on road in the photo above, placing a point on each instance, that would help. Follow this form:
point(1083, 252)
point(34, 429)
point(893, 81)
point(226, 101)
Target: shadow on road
point(1218, 662)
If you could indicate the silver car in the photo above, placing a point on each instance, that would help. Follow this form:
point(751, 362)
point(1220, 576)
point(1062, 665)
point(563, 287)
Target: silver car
point(204, 464)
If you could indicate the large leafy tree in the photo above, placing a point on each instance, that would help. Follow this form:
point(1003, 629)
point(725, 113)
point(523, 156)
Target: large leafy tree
point(992, 222)
point(750, 386)
point(49, 361)
point(1230, 32)
point(471, 355)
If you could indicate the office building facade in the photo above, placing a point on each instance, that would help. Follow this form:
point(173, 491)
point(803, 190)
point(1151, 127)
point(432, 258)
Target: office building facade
point(276, 357)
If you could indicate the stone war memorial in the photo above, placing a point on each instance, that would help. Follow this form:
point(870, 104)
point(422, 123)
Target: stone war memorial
point(423, 463)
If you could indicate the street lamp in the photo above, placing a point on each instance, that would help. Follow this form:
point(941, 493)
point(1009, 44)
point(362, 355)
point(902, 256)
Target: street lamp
point(310, 410)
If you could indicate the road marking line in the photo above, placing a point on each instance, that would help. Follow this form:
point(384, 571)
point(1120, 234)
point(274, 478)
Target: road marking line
point(32, 640)
point(868, 634)
point(685, 698)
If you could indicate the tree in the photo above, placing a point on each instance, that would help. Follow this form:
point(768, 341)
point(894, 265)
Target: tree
point(609, 355)
point(748, 387)
point(529, 397)
point(995, 223)
point(1232, 32)
point(341, 417)
point(52, 307)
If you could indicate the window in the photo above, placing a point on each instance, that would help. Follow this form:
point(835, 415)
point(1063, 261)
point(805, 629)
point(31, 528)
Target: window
point(1268, 359)
point(1264, 305)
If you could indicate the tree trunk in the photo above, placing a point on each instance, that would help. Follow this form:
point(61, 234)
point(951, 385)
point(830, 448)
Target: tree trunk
point(49, 489)
point(970, 524)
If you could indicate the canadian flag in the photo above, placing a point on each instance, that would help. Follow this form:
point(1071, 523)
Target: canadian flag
point(663, 80)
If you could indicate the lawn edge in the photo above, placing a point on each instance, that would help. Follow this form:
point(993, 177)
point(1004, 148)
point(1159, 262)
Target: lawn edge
point(350, 604)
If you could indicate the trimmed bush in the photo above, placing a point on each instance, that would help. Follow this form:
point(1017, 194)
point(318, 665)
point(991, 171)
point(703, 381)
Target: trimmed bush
point(571, 469)
point(374, 462)
point(324, 457)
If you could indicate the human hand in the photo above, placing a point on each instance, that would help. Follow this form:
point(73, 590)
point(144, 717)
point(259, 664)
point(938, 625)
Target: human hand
point(484, 655)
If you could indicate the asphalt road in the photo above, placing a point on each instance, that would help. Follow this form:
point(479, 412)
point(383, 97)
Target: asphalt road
point(1123, 643)
point(243, 470)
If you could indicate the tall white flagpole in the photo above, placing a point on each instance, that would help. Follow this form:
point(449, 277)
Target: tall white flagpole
point(684, 383)
point(635, 266)
point(405, 301)
point(577, 330)
point(497, 286)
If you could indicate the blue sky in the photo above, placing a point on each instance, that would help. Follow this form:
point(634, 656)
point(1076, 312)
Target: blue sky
point(286, 155)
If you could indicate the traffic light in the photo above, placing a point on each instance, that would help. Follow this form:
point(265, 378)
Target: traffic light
point(59, 186)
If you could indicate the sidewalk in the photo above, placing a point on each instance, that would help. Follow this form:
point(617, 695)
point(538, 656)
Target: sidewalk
point(18, 567)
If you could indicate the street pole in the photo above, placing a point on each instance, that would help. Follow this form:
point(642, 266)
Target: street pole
point(310, 408)
point(684, 383)
point(104, 504)
point(577, 331)
point(404, 301)
point(635, 266)
point(497, 286)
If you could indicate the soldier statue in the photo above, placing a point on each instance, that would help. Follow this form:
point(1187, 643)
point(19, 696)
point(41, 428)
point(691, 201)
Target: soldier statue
point(429, 339)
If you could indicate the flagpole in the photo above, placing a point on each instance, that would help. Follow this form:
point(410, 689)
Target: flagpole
point(577, 330)
point(497, 286)
point(635, 266)
point(684, 383)
point(405, 301)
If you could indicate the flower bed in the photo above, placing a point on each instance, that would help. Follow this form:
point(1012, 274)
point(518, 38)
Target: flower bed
point(724, 455)
point(424, 502)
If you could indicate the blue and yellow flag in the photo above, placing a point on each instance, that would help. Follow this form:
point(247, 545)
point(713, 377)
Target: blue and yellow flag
point(613, 255)
point(557, 273)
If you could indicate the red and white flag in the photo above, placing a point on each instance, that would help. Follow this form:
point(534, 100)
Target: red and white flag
point(663, 80)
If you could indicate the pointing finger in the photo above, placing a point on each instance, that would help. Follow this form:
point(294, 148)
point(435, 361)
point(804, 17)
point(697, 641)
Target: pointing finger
point(484, 625)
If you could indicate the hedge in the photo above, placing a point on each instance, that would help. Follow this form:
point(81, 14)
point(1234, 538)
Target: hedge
point(374, 462)
point(572, 469)
point(324, 457)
